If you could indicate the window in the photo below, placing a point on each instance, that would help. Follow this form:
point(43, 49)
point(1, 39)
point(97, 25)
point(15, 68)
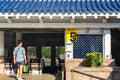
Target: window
point(31, 51)
point(59, 51)
point(60, 54)
point(46, 51)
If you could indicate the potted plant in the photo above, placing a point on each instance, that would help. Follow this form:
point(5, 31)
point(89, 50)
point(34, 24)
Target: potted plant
point(94, 59)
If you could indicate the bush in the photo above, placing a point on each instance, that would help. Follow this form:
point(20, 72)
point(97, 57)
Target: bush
point(94, 59)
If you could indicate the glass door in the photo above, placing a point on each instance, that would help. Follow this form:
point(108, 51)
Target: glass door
point(46, 54)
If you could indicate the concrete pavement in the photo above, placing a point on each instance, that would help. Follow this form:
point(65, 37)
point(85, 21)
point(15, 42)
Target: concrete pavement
point(32, 77)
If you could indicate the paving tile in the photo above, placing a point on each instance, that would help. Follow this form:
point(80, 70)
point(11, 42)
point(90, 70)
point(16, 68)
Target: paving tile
point(33, 77)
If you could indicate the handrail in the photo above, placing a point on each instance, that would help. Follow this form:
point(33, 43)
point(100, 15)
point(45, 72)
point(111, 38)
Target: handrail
point(92, 75)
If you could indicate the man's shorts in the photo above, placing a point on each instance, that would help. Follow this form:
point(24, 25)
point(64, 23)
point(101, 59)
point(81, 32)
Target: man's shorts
point(20, 63)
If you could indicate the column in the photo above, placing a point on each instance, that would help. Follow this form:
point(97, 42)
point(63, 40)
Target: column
point(107, 44)
point(68, 44)
point(70, 38)
point(69, 50)
point(39, 51)
point(53, 58)
point(1, 43)
point(1, 52)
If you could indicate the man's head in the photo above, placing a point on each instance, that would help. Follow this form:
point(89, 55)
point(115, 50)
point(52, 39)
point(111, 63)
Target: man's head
point(19, 43)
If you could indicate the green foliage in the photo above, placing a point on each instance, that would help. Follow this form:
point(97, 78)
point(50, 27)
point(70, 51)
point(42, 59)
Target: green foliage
point(94, 59)
point(46, 52)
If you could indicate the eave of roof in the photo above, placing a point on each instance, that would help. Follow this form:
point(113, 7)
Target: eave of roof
point(58, 25)
point(41, 15)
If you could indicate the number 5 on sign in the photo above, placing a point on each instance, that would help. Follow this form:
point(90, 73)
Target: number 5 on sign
point(73, 37)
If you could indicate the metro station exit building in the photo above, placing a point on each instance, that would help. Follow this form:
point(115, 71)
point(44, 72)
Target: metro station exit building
point(80, 26)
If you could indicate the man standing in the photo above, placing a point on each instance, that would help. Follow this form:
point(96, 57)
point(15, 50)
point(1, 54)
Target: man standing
point(19, 57)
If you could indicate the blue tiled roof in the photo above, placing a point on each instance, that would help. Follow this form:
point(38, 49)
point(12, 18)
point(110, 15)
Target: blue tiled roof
point(61, 6)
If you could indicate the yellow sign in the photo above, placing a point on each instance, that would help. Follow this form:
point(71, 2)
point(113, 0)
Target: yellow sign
point(71, 34)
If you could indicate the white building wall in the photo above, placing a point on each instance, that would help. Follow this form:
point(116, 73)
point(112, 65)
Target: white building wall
point(69, 50)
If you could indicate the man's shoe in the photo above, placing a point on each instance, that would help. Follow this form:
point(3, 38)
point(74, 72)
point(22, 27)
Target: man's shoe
point(17, 76)
point(20, 79)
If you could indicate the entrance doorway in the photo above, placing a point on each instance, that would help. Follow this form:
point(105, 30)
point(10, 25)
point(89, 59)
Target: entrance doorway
point(115, 45)
point(47, 44)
